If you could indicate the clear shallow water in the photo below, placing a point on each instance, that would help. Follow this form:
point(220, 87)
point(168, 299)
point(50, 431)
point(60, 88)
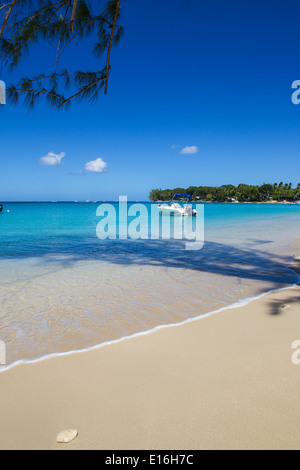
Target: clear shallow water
point(61, 288)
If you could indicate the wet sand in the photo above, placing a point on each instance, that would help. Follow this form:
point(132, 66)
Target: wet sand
point(226, 381)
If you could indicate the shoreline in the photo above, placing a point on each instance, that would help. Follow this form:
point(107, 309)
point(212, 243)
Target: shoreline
point(96, 307)
point(154, 202)
point(240, 303)
point(229, 377)
point(288, 203)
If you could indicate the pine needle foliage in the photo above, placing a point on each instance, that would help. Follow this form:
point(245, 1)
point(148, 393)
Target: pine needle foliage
point(60, 23)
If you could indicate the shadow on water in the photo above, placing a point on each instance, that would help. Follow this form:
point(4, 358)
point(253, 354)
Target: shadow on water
point(218, 258)
point(258, 242)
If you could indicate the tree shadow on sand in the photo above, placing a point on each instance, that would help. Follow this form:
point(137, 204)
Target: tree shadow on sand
point(244, 261)
point(279, 307)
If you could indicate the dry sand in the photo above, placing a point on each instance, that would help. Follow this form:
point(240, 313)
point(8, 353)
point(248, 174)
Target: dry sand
point(223, 382)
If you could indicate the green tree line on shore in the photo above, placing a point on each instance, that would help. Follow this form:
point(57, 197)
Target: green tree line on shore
point(231, 193)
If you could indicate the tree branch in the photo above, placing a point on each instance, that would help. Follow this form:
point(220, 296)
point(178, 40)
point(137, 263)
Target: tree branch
point(73, 15)
point(7, 16)
point(110, 44)
point(82, 91)
point(54, 23)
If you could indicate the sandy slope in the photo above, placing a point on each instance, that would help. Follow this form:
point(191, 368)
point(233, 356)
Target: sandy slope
point(222, 382)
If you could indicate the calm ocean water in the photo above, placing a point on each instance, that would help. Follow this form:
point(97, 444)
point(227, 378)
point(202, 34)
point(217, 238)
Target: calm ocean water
point(63, 289)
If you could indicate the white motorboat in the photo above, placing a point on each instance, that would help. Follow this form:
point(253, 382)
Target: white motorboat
point(175, 208)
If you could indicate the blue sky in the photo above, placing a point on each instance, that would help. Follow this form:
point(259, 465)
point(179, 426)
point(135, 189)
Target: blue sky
point(215, 75)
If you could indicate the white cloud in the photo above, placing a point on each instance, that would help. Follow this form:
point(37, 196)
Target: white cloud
point(52, 159)
point(189, 150)
point(96, 166)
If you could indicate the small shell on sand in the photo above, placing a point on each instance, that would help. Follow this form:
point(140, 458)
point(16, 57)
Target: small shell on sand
point(284, 306)
point(66, 436)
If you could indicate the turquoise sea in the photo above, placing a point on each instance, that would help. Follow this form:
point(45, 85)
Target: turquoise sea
point(64, 289)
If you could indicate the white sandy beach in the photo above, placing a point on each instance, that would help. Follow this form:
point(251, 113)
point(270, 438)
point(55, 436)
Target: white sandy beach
point(226, 381)
point(149, 227)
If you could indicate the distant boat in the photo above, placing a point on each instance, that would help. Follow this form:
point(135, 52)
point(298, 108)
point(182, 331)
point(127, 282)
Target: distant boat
point(174, 208)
